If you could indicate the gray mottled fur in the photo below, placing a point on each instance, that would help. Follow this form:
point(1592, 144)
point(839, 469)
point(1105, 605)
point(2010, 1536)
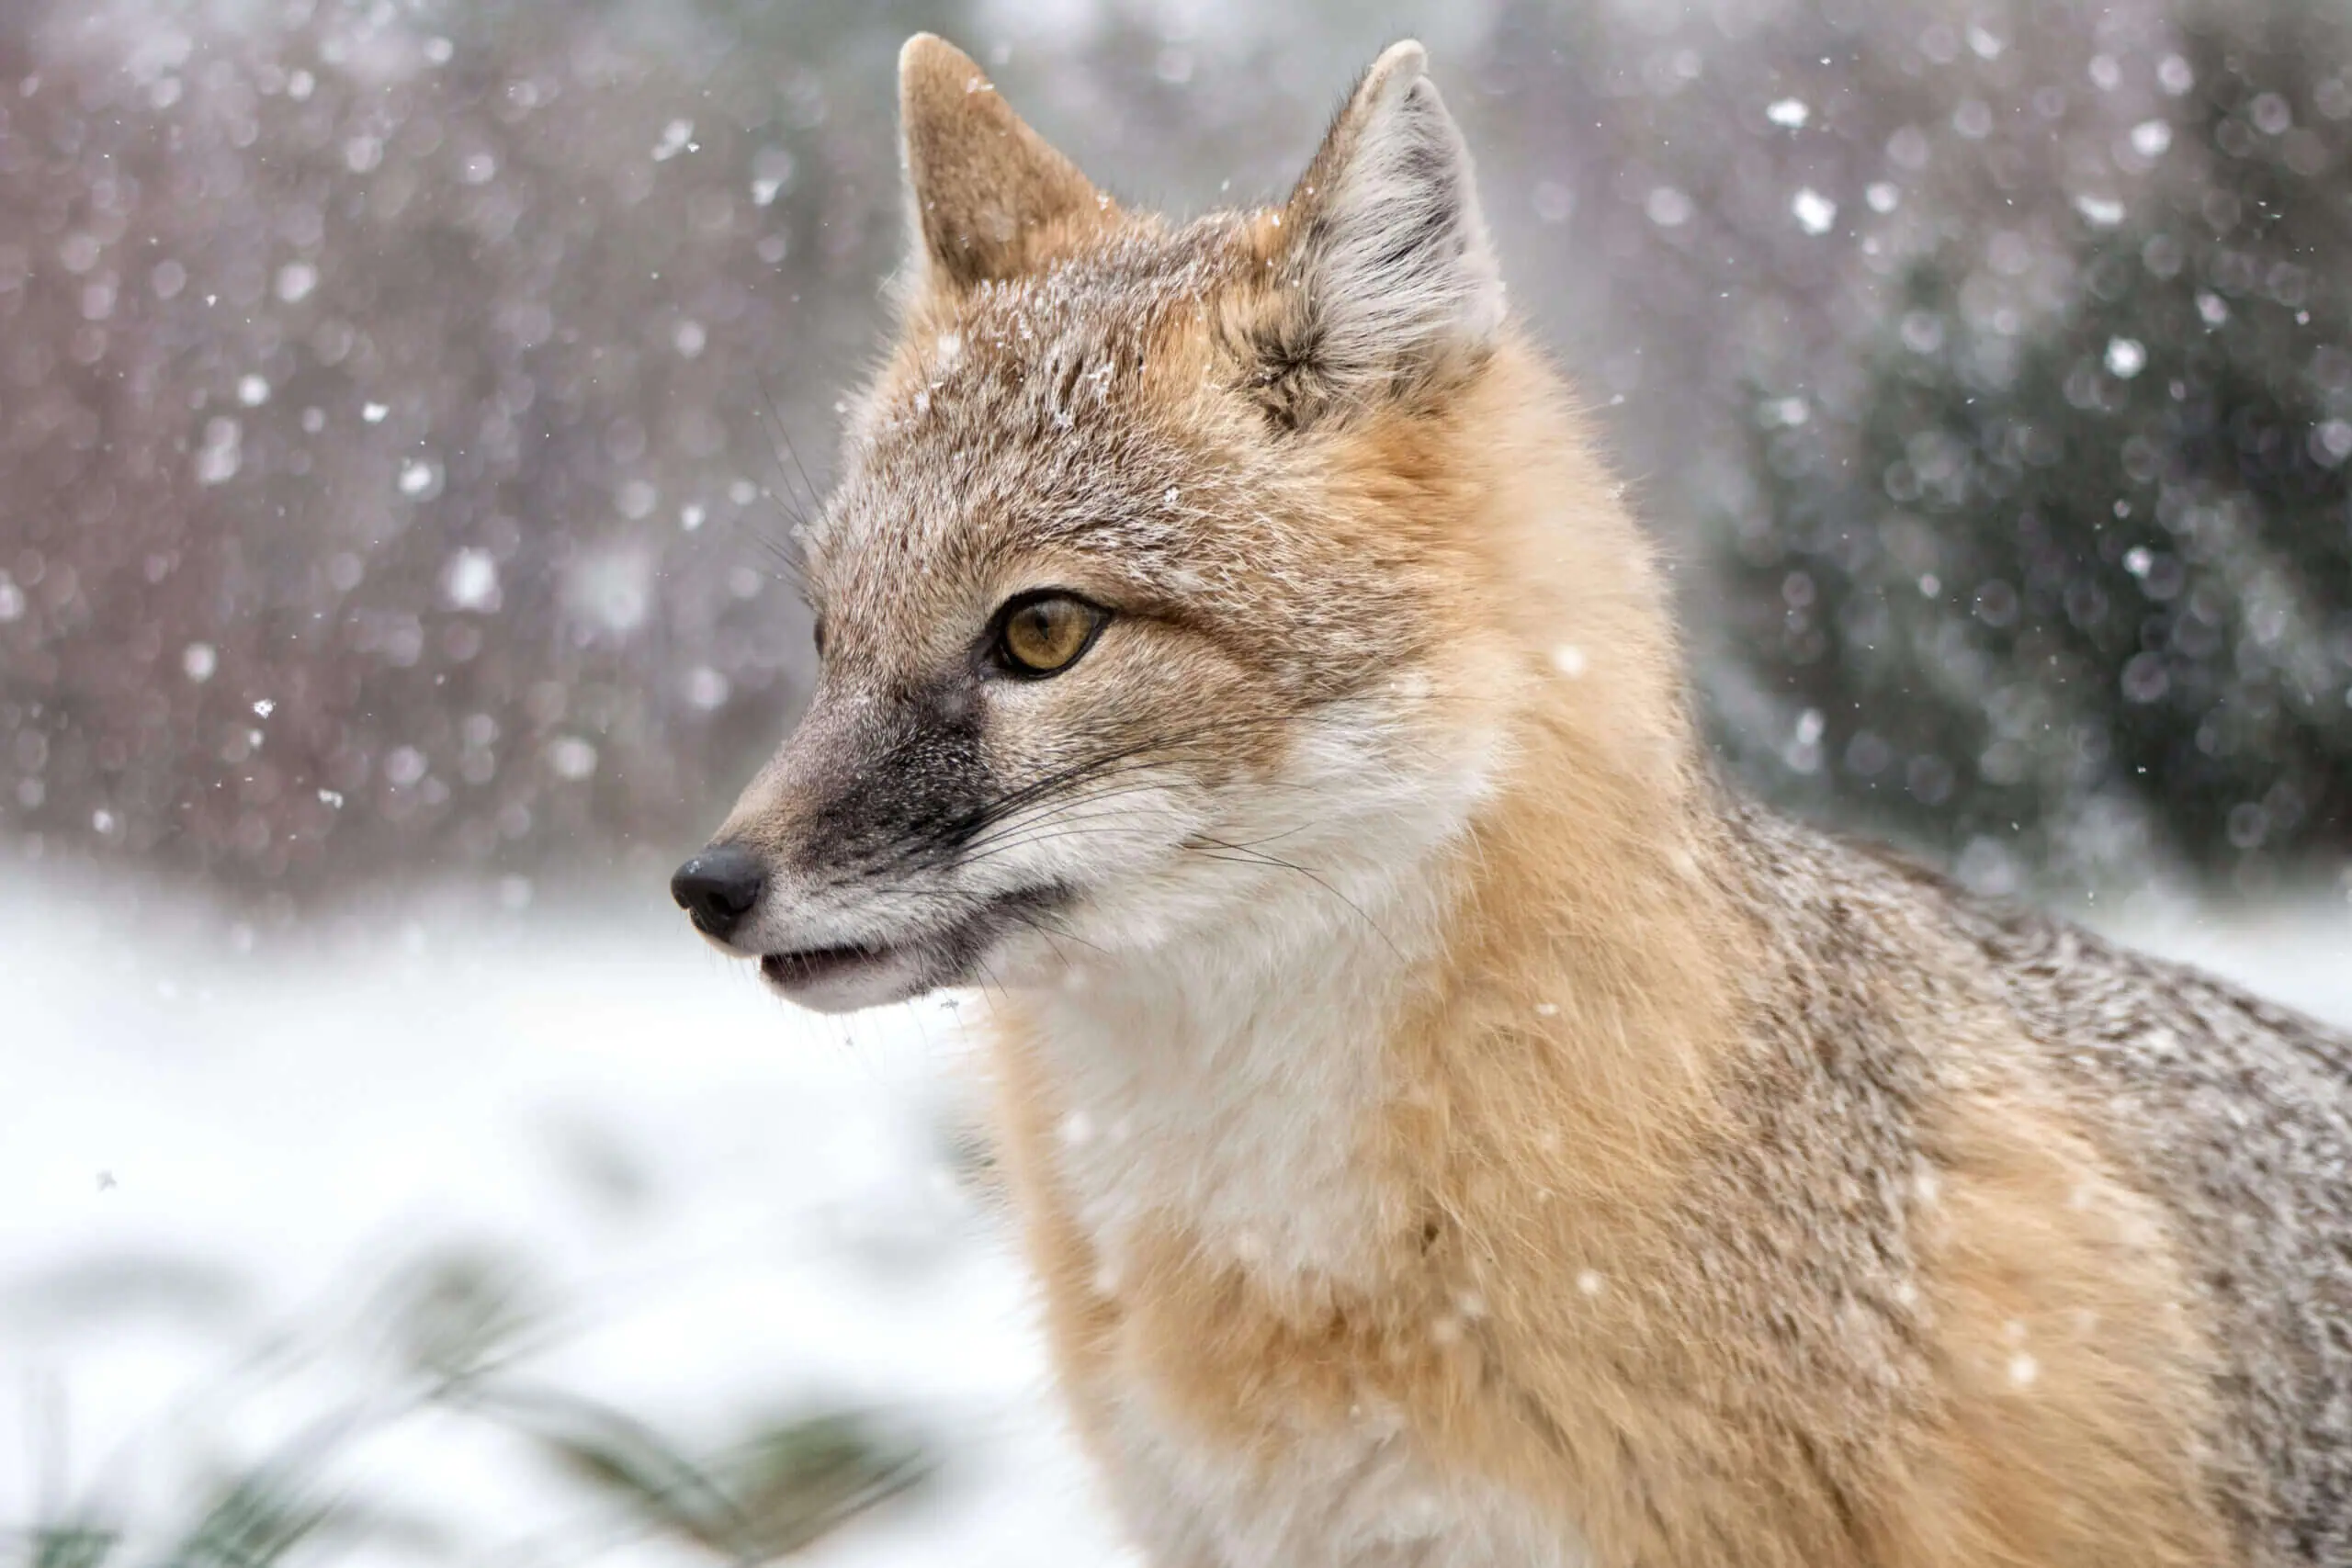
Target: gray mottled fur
point(2234, 1113)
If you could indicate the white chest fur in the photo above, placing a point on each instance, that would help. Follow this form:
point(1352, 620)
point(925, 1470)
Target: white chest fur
point(1228, 1077)
point(1362, 1497)
point(1235, 1097)
point(1234, 1105)
point(1234, 1086)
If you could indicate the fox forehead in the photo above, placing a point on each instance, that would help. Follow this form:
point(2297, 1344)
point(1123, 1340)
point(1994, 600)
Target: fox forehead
point(1072, 414)
point(1247, 423)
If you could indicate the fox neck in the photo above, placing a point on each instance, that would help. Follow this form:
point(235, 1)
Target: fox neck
point(1293, 1093)
point(1225, 1090)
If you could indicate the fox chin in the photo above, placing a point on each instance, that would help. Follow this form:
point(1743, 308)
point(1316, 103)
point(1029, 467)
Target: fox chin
point(1450, 1126)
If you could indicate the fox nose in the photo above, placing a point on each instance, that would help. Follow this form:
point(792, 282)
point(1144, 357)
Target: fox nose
point(717, 888)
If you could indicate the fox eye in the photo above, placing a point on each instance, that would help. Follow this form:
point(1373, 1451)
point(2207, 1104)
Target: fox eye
point(1043, 634)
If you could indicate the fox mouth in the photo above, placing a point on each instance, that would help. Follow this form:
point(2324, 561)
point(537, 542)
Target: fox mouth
point(811, 965)
point(846, 978)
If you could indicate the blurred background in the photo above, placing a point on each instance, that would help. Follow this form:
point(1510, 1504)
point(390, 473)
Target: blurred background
point(400, 406)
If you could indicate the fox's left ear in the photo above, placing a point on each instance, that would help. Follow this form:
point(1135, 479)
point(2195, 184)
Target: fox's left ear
point(1391, 281)
point(981, 185)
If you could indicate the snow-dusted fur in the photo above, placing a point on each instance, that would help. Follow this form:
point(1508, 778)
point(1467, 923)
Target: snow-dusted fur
point(1450, 1129)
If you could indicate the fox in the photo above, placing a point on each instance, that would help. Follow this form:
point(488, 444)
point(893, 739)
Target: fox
point(1449, 1124)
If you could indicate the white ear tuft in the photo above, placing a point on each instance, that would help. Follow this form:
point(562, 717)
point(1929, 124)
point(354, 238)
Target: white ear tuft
point(1387, 245)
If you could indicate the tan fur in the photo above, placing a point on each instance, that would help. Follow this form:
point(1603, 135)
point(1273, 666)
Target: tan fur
point(1667, 1415)
point(1656, 1187)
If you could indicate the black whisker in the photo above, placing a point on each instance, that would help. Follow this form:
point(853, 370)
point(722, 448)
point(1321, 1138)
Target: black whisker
point(1256, 858)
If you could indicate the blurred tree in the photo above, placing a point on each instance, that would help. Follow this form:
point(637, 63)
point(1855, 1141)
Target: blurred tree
point(2056, 592)
point(398, 421)
point(402, 407)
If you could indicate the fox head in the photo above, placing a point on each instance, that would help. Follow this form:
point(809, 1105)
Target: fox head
point(1179, 577)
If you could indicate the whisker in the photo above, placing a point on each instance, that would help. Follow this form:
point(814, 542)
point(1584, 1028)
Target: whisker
point(1082, 797)
point(779, 431)
point(1255, 858)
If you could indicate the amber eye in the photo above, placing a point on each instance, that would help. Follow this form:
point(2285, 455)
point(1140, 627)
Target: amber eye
point(1043, 634)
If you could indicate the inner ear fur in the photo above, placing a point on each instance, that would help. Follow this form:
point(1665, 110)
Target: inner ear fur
point(1387, 284)
point(982, 187)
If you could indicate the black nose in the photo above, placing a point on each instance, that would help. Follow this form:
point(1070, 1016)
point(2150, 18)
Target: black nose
point(717, 887)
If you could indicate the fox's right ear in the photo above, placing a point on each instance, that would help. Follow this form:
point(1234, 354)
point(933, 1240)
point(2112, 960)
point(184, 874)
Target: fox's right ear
point(982, 189)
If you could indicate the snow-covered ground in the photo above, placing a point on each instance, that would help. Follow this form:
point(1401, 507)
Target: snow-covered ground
point(734, 1210)
point(215, 1147)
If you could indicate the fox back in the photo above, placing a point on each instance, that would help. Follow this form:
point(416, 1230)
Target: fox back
point(1449, 1127)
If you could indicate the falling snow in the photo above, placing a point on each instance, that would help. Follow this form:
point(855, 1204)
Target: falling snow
point(222, 454)
point(471, 581)
point(419, 478)
point(1669, 207)
point(706, 688)
point(572, 758)
point(1814, 212)
point(2104, 212)
point(456, 390)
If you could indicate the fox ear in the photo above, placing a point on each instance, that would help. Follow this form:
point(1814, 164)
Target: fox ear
point(1392, 278)
point(980, 182)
